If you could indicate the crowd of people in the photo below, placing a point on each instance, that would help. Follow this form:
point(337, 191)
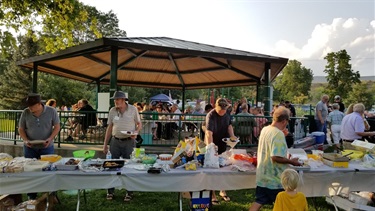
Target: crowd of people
point(275, 182)
point(342, 128)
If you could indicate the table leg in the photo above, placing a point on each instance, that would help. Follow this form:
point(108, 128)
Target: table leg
point(180, 200)
point(78, 199)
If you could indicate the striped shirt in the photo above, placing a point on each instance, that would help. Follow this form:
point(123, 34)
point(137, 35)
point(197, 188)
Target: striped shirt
point(335, 117)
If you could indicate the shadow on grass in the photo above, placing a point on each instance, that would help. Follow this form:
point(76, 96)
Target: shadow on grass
point(165, 201)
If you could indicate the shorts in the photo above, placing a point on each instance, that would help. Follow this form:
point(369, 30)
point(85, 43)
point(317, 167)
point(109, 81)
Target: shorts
point(265, 195)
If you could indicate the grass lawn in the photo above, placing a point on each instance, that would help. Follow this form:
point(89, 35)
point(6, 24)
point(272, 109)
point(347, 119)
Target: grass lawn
point(241, 200)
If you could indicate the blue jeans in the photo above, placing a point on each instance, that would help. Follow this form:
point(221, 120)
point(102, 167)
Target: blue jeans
point(321, 127)
point(36, 153)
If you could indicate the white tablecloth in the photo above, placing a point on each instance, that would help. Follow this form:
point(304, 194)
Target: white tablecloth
point(315, 182)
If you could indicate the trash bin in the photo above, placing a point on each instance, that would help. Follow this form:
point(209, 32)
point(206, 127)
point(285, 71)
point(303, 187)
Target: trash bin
point(311, 122)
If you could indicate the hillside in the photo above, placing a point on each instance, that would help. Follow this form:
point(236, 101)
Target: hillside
point(322, 79)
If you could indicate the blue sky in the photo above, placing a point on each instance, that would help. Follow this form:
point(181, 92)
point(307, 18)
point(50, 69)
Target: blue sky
point(305, 30)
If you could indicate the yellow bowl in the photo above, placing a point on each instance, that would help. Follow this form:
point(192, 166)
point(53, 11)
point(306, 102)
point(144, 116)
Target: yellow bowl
point(356, 154)
point(50, 158)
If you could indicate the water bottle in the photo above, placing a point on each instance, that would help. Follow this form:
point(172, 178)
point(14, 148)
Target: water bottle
point(109, 155)
point(183, 159)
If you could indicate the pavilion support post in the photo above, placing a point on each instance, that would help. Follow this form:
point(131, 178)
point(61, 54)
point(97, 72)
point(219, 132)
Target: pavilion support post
point(97, 93)
point(183, 99)
point(34, 87)
point(267, 99)
point(257, 98)
point(113, 72)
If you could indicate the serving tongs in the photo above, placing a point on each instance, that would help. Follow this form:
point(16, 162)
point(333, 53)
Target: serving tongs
point(348, 154)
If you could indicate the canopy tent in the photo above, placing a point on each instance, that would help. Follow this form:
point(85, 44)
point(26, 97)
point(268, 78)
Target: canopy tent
point(158, 62)
point(161, 98)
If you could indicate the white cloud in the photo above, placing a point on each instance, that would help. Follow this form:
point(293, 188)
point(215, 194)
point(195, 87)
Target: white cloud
point(356, 36)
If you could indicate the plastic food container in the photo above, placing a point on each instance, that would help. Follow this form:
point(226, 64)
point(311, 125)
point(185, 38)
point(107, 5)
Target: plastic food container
point(355, 154)
point(165, 156)
point(35, 165)
point(50, 158)
point(64, 165)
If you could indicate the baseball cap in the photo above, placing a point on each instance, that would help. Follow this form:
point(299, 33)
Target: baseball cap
point(222, 103)
point(32, 99)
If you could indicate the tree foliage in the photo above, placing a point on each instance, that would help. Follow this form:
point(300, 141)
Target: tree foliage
point(16, 81)
point(294, 82)
point(340, 76)
point(65, 91)
point(48, 26)
point(55, 20)
point(362, 93)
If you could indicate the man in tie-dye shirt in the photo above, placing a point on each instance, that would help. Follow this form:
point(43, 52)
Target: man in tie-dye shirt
point(272, 159)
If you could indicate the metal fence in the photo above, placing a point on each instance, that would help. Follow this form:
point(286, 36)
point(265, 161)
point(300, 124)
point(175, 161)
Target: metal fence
point(157, 129)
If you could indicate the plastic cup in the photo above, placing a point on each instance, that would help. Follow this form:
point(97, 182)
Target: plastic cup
point(137, 152)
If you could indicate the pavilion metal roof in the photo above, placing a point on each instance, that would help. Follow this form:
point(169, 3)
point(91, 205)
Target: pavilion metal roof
point(158, 62)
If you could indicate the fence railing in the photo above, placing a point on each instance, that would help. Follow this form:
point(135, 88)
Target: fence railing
point(157, 129)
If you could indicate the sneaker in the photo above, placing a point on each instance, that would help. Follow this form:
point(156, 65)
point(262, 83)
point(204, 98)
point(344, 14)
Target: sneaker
point(110, 196)
point(69, 138)
point(128, 197)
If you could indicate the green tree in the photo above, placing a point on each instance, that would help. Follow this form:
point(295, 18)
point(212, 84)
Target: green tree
point(362, 93)
point(16, 81)
point(294, 81)
point(55, 18)
point(50, 26)
point(65, 91)
point(341, 77)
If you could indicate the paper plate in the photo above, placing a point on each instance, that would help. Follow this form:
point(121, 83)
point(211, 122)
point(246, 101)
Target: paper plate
point(141, 168)
point(130, 133)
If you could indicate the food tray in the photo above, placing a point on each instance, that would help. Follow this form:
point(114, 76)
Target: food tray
point(130, 133)
point(50, 158)
point(61, 166)
point(35, 165)
point(113, 164)
point(335, 157)
point(300, 168)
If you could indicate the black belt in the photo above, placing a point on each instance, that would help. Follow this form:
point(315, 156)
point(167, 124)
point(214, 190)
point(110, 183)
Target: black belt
point(122, 139)
point(347, 140)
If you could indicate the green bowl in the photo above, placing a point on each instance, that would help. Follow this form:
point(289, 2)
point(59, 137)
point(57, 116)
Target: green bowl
point(149, 159)
point(84, 153)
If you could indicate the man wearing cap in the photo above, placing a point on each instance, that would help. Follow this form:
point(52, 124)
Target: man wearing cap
point(122, 117)
point(338, 101)
point(219, 126)
point(38, 122)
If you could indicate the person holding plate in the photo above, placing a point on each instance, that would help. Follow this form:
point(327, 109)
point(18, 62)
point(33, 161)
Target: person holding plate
point(124, 123)
point(219, 126)
point(38, 123)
